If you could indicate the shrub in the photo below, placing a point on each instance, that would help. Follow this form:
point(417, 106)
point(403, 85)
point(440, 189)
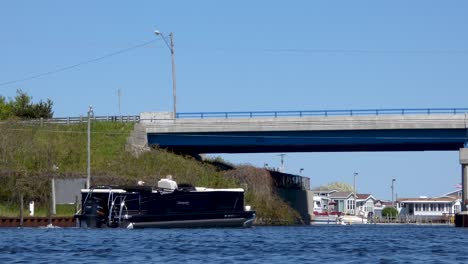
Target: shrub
point(389, 212)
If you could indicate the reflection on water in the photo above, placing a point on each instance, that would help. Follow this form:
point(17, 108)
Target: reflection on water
point(308, 244)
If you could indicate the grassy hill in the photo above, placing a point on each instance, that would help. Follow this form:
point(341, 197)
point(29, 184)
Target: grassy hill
point(31, 155)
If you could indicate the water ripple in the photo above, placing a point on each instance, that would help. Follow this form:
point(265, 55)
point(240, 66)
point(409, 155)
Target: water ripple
point(308, 244)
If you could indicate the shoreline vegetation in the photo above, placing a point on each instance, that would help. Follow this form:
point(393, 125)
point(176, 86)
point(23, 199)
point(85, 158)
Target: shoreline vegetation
point(31, 155)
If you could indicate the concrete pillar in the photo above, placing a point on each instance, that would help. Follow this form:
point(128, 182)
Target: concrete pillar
point(464, 166)
point(461, 219)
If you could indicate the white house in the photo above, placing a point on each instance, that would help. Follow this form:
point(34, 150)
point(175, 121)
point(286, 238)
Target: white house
point(429, 207)
point(365, 203)
point(345, 202)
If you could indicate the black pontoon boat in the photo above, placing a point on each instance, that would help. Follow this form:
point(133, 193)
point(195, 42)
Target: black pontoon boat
point(167, 205)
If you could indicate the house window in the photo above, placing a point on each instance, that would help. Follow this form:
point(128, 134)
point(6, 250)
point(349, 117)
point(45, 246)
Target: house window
point(369, 206)
point(350, 206)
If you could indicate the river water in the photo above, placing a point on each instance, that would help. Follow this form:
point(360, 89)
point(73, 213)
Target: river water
point(304, 244)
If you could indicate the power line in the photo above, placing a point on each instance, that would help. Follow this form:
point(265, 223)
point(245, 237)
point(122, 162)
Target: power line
point(79, 64)
point(368, 51)
point(341, 50)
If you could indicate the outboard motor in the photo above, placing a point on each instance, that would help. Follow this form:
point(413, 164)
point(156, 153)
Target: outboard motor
point(94, 213)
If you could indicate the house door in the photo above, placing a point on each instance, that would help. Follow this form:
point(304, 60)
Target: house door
point(411, 209)
point(341, 207)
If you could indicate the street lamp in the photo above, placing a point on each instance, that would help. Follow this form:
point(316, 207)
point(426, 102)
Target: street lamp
point(90, 115)
point(171, 48)
point(355, 192)
point(281, 169)
point(393, 181)
point(354, 182)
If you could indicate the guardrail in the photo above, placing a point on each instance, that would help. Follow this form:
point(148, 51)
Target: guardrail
point(82, 119)
point(305, 113)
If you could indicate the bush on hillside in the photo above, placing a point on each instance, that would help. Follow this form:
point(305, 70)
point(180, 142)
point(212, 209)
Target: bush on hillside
point(22, 107)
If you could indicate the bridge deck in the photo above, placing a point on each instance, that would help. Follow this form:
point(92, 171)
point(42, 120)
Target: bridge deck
point(308, 134)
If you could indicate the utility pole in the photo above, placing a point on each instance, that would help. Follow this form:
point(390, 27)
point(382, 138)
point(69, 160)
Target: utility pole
point(282, 162)
point(171, 48)
point(119, 94)
point(393, 202)
point(354, 190)
point(354, 182)
point(171, 35)
point(88, 179)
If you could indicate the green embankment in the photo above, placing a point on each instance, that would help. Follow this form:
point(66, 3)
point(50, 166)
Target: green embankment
point(31, 155)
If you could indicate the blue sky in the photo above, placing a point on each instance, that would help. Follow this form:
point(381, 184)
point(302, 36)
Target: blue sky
point(253, 55)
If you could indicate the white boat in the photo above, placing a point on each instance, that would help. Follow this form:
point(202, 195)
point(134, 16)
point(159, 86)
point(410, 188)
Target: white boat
point(323, 213)
point(327, 219)
point(351, 219)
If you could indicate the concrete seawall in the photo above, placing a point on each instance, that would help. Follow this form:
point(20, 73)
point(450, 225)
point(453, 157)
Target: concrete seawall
point(66, 221)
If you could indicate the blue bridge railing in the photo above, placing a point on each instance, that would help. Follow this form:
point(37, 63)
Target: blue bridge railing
point(305, 113)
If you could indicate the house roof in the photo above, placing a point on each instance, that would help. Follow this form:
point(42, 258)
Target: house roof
point(457, 193)
point(421, 200)
point(341, 194)
point(386, 203)
point(365, 197)
point(318, 190)
point(362, 196)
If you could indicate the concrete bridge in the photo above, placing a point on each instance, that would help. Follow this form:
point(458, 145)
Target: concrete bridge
point(312, 131)
point(261, 132)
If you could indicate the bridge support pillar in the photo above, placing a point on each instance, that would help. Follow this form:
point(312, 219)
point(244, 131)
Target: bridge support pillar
point(461, 219)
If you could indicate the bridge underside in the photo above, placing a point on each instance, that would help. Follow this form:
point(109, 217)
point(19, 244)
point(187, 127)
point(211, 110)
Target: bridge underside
point(311, 141)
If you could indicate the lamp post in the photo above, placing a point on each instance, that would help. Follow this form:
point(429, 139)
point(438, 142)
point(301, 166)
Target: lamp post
point(88, 179)
point(354, 182)
point(281, 168)
point(171, 48)
point(354, 190)
point(393, 202)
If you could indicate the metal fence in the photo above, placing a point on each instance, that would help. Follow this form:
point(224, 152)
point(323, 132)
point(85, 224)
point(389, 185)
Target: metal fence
point(305, 113)
point(82, 119)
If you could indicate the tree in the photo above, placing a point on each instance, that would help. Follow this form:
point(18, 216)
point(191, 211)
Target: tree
point(5, 109)
point(22, 107)
point(339, 186)
point(390, 212)
point(43, 109)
